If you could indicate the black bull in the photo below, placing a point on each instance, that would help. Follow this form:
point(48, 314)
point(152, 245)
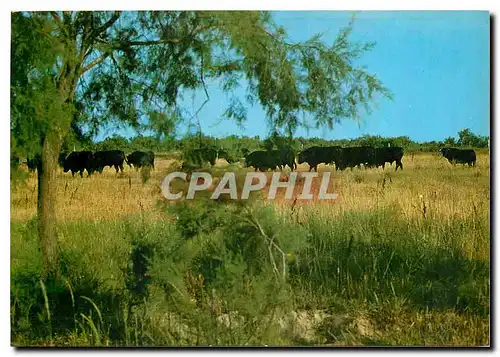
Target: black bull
point(200, 156)
point(79, 161)
point(390, 155)
point(262, 160)
point(460, 156)
point(356, 156)
point(139, 159)
point(319, 155)
point(110, 158)
point(370, 157)
point(351, 157)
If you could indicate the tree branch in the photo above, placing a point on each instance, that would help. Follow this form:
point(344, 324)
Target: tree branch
point(254, 222)
point(67, 16)
point(153, 42)
point(124, 45)
point(55, 16)
point(93, 34)
point(206, 94)
point(292, 45)
point(116, 15)
point(95, 62)
point(60, 22)
point(169, 40)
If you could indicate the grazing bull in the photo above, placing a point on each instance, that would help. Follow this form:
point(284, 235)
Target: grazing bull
point(356, 156)
point(261, 160)
point(319, 155)
point(390, 155)
point(79, 161)
point(264, 160)
point(109, 158)
point(285, 156)
point(139, 159)
point(459, 156)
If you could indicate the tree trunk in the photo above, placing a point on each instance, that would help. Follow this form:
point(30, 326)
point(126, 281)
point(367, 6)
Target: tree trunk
point(47, 194)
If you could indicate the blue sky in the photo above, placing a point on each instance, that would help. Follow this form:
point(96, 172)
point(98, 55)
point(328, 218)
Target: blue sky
point(436, 64)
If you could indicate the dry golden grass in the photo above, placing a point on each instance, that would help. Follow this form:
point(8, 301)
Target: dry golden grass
point(428, 186)
point(105, 196)
point(427, 181)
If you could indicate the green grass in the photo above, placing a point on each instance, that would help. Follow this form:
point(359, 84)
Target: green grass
point(213, 277)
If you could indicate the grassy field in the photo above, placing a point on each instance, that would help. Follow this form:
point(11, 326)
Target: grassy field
point(400, 258)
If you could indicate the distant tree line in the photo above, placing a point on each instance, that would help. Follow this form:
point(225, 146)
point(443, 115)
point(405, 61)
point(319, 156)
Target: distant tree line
point(234, 144)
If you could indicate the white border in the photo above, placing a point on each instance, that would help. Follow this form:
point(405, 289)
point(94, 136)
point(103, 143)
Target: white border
point(7, 7)
point(253, 5)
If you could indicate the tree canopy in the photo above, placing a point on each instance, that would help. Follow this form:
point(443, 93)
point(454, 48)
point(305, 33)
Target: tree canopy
point(123, 66)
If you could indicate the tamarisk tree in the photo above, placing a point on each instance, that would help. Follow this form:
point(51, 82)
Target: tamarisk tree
point(88, 69)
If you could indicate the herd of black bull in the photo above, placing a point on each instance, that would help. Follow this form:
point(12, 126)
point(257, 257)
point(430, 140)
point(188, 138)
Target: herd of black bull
point(370, 157)
point(316, 155)
point(262, 160)
point(367, 156)
point(79, 161)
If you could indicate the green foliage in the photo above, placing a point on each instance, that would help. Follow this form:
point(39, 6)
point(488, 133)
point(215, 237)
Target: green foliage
point(450, 141)
point(467, 138)
point(223, 273)
point(112, 143)
point(36, 102)
point(234, 145)
point(234, 255)
point(112, 75)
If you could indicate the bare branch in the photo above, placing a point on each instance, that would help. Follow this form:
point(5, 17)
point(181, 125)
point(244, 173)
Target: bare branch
point(254, 222)
point(207, 99)
point(95, 62)
point(291, 45)
point(94, 33)
point(109, 23)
